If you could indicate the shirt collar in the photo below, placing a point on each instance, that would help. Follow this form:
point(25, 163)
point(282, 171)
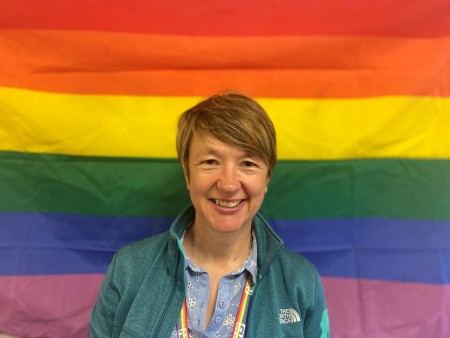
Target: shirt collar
point(249, 264)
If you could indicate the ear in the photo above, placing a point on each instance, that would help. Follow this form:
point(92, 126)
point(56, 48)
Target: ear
point(267, 183)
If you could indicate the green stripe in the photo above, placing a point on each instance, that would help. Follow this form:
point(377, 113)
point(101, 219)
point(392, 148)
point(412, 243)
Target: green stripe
point(393, 188)
point(91, 185)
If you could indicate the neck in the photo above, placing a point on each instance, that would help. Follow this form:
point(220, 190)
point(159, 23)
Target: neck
point(227, 250)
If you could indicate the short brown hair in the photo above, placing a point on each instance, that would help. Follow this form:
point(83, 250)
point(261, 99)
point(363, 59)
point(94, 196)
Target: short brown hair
point(234, 119)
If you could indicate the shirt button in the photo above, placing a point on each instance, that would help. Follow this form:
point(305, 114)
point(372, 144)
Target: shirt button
point(222, 304)
point(218, 320)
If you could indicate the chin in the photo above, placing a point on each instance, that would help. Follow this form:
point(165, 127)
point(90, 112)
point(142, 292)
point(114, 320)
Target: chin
point(231, 227)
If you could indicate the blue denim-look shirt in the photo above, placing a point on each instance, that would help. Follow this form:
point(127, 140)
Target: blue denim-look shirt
point(228, 298)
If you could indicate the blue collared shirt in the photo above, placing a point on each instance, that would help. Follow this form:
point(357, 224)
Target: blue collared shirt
point(228, 297)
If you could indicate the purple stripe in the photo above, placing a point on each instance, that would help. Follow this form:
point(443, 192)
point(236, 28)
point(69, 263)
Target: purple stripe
point(47, 306)
point(378, 309)
point(357, 308)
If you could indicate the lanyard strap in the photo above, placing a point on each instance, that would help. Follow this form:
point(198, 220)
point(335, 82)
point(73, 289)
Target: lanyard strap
point(183, 332)
point(242, 314)
point(239, 322)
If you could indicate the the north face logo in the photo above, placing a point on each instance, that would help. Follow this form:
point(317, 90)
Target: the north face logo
point(288, 316)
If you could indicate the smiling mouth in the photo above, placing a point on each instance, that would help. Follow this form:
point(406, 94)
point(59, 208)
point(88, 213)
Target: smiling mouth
point(227, 204)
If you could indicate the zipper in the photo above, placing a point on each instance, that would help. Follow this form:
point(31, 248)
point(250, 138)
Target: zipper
point(250, 310)
point(158, 328)
point(174, 286)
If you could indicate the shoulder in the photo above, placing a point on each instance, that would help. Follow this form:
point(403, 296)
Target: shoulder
point(300, 264)
point(279, 260)
point(295, 270)
point(139, 256)
point(145, 245)
point(296, 279)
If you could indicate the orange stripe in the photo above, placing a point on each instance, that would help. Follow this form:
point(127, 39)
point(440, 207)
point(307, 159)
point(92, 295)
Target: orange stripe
point(258, 83)
point(134, 64)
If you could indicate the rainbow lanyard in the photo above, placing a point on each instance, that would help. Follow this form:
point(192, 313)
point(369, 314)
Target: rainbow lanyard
point(241, 316)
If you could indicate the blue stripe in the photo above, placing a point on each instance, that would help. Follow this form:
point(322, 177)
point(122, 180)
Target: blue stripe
point(384, 249)
point(45, 243)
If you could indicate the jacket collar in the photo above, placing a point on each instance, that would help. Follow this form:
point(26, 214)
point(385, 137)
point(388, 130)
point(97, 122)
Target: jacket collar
point(269, 243)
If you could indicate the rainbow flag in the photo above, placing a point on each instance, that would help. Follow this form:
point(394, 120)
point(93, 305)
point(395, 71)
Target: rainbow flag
point(359, 91)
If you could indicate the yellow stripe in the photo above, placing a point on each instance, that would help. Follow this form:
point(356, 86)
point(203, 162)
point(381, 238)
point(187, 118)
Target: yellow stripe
point(101, 125)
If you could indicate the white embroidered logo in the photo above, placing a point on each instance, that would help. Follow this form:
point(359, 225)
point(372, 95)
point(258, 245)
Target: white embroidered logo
point(288, 316)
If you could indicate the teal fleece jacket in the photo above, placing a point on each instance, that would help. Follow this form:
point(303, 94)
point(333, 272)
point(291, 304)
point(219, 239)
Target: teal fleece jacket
point(143, 290)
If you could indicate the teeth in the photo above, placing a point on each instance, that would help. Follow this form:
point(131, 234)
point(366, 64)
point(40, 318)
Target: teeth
point(227, 204)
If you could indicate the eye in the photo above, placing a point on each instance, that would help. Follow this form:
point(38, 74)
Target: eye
point(248, 164)
point(210, 162)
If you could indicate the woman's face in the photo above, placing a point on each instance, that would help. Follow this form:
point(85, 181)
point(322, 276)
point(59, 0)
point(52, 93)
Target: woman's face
point(226, 185)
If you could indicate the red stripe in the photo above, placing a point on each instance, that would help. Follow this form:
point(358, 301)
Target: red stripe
point(47, 306)
point(369, 308)
point(129, 64)
point(234, 17)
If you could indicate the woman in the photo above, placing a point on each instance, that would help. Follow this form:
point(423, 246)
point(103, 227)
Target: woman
point(220, 271)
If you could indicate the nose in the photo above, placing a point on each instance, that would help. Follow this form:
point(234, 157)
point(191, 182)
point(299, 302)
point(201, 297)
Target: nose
point(229, 179)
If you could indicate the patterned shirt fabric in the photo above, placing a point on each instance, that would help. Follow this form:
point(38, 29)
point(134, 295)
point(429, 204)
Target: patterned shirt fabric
point(228, 298)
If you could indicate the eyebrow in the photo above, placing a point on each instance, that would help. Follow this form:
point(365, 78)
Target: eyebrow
point(211, 151)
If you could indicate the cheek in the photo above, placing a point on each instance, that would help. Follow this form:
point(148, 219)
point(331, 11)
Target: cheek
point(258, 189)
point(196, 185)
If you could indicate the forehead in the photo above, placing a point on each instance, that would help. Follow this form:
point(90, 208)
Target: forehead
point(204, 142)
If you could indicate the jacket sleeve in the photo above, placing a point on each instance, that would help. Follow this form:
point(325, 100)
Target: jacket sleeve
point(102, 315)
point(316, 323)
